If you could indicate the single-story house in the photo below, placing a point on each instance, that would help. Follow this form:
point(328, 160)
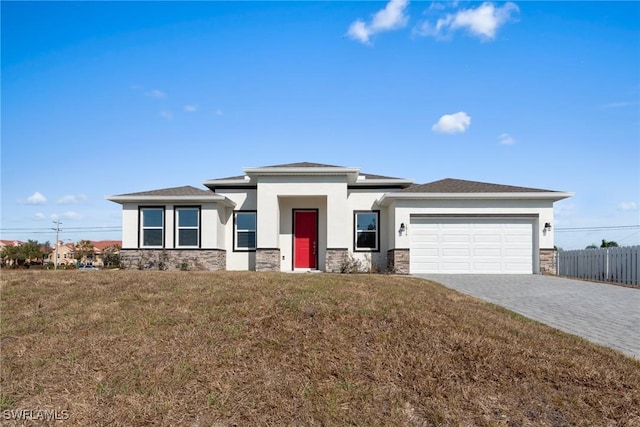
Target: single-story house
point(309, 216)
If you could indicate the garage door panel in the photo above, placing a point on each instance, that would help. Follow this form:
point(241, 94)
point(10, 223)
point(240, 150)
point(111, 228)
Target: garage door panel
point(490, 237)
point(486, 267)
point(486, 252)
point(455, 252)
point(456, 267)
point(456, 238)
point(426, 253)
point(483, 245)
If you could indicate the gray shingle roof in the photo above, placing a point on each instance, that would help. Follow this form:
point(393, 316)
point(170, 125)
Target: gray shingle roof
point(186, 190)
point(449, 185)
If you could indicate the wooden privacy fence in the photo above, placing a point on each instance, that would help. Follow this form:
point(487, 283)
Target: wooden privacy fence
point(618, 265)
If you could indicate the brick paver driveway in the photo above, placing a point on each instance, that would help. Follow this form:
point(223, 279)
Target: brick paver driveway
point(601, 313)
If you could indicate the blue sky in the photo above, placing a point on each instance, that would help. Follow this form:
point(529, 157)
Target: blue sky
point(102, 98)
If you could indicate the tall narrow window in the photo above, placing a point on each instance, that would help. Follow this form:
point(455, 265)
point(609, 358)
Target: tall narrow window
point(152, 220)
point(245, 231)
point(366, 231)
point(188, 225)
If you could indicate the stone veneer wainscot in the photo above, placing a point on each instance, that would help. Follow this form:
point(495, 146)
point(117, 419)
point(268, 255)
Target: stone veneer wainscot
point(398, 261)
point(268, 259)
point(174, 259)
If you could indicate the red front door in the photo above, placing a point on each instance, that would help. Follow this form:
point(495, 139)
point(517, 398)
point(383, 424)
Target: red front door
point(305, 241)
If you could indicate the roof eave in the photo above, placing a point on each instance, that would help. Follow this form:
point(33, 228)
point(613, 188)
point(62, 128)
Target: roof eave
point(403, 183)
point(222, 182)
point(351, 173)
point(172, 199)
point(388, 198)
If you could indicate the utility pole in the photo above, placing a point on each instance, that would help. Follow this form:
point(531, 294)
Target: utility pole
point(57, 230)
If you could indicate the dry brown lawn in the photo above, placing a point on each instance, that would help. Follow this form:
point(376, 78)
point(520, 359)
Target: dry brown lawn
point(202, 349)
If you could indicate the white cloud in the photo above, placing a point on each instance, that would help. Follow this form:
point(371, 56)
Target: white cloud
point(358, 31)
point(70, 199)
point(66, 215)
point(190, 108)
point(71, 215)
point(627, 206)
point(453, 123)
point(36, 198)
point(219, 112)
point(167, 115)
point(390, 18)
point(483, 21)
point(39, 215)
point(156, 93)
point(622, 104)
point(506, 139)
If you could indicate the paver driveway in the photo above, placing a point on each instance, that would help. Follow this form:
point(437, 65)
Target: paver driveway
point(601, 313)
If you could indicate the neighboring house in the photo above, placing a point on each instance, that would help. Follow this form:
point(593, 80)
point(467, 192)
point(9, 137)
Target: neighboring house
point(64, 252)
point(308, 216)
point(100, 246)
point(4, 243)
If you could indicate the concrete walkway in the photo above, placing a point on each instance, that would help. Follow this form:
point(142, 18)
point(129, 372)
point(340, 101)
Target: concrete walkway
point(604, 314)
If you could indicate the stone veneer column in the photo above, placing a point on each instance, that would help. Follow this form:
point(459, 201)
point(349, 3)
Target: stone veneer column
point(548, 261)
point(335, 259)
point(268, 259)
point(398, 261)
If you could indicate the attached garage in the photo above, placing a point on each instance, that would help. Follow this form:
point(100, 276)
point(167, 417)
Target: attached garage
point(472, 245)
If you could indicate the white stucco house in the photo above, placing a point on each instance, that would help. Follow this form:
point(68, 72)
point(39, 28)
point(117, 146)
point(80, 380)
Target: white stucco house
point(309, 216)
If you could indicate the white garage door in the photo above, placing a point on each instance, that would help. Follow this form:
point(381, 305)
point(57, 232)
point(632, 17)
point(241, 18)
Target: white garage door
point(463, 245)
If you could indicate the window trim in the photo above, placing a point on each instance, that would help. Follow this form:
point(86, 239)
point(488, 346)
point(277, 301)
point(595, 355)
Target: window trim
point(176, 240)
point(141, 227)
point(235, 231)
point(355, 231)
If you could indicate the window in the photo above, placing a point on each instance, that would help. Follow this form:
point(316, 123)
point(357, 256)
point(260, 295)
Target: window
point(188, 226)
point(366, 231)
point(245, 231)
point(152, 220)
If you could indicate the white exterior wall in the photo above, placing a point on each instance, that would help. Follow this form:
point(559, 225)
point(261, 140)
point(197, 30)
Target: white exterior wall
point(209, 225)
point(245, 200)
point(271, 188)
point(169, 227)
point(129, 226)
point(366, 200)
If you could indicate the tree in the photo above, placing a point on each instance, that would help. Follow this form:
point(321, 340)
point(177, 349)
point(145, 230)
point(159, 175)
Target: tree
point(610, 244)
point(30, 251)
point(592, 246)
point(83, 250)
point(111, 256)
point(10, 254)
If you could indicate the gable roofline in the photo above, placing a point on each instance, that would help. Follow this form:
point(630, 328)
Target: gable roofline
point(355, 177)
point(450, 185)
point(459, 189)
point(388, 198)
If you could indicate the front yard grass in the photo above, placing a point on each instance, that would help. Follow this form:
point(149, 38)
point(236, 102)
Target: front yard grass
point(225, 348)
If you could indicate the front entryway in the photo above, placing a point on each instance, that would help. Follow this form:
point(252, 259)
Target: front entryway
point(305, 241)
